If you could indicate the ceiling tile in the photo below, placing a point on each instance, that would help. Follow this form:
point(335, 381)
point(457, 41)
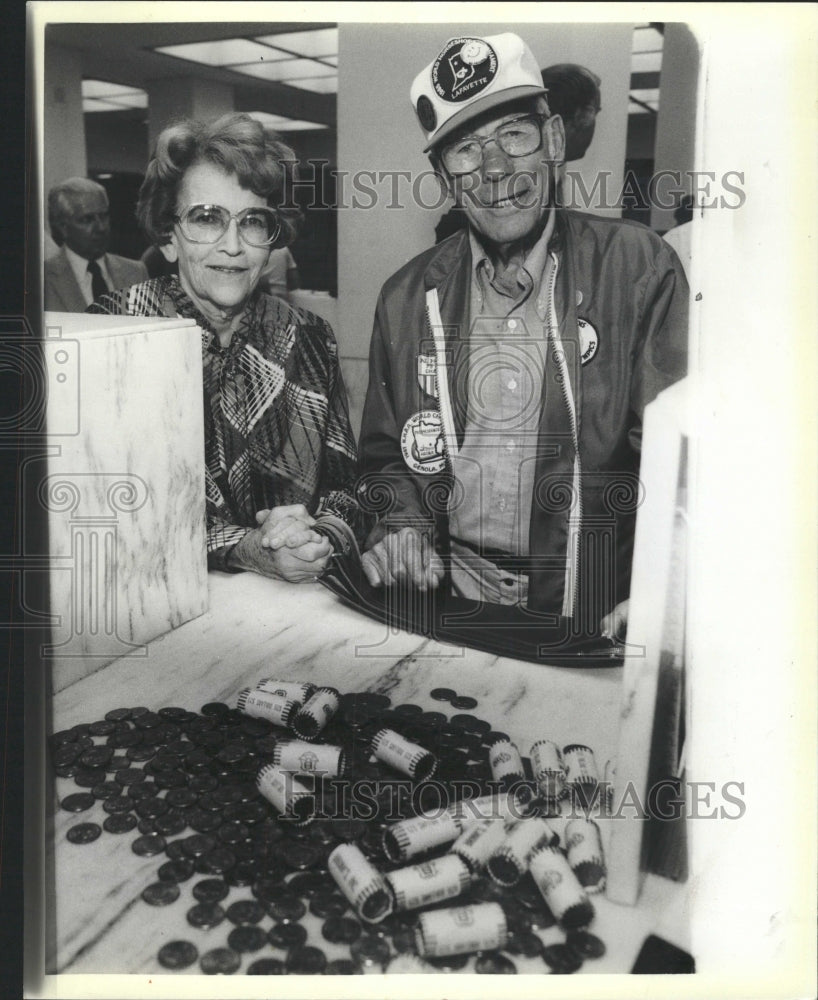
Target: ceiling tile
point(283, 124)
point(319, 42)
point(646, 39)
point(646, 62)
point(293, 69)
point(319, 85)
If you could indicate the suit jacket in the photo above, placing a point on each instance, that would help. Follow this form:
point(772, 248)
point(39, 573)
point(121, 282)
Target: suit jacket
point(61, 292)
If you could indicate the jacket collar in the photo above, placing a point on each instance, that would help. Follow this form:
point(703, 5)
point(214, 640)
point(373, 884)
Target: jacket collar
point(448, 271)
point(446, 257)
point(452, 258)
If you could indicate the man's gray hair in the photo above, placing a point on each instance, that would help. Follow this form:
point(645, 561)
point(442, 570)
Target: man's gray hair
point(60, 201)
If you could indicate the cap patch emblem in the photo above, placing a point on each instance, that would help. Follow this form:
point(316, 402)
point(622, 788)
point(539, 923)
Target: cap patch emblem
point(463, 69)
point(426, 113)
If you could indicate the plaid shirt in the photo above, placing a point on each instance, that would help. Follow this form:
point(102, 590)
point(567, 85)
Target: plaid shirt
point(275, 412)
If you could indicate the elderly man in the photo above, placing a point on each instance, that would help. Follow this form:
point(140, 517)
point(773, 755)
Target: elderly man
point(82, 269)
point(510, 365)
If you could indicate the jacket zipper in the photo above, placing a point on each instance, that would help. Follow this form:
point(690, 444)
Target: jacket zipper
point(443, 399)
point(575, 518)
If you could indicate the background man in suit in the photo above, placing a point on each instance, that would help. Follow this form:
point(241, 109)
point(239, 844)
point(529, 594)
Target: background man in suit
point(82, 269)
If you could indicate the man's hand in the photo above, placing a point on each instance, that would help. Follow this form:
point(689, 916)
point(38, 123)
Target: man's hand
point(406, 556)
point(289, 526)
point(615, 623)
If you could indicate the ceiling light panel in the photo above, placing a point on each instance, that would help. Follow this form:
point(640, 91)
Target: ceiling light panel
point(321, 42)
point(284, 72)
point(92, 104)
point(294, 125)
point(225, 52)
point(102, 88)
point(131, 100)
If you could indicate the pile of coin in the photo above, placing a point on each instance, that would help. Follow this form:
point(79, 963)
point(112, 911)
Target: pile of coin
point(321, 832)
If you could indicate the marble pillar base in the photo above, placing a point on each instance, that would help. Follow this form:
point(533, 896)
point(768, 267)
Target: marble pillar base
point(124, 489)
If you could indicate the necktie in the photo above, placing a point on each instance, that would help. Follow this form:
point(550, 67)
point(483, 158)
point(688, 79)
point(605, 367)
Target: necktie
point(98, 286)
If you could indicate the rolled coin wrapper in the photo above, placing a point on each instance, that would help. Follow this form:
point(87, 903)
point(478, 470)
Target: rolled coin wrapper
point(549, 772)
point(316, 713)
point(560, 888)
point(585, 856)
point(559, 821)
point(363, 885)
point(429, 882)
point(462, 929)
point(469, 811)
point(400, 753)
point(309, 758)
point(419, 834)
point(478, 842)
point(291, 690)
point(581, 774)
point(286, 794)
point(608, 785)
point(510, 860)
point(505, 763)
point(276, 708)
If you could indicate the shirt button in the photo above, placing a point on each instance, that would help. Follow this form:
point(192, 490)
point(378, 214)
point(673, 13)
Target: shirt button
point(512, 324)
point(512, 384)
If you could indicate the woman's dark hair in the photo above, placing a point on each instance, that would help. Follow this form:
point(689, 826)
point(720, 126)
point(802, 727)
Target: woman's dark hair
point(236, 143)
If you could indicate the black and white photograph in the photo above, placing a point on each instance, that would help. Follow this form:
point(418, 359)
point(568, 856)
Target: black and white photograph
point(417, 499)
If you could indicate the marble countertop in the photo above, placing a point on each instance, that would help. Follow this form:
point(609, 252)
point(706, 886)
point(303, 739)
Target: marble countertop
point(263, 628)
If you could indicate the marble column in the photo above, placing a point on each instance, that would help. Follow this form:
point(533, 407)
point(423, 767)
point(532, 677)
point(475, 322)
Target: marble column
point(124, 489)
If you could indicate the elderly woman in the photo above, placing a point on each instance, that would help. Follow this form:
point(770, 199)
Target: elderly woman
point(279, 451)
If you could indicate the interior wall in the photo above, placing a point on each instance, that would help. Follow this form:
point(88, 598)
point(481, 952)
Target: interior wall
point(186, 97)
point(676, 123)
point(115, 144)
point(62, 117)
point(377, 131)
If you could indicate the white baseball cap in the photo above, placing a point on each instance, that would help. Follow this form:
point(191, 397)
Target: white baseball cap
point(470, 76)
